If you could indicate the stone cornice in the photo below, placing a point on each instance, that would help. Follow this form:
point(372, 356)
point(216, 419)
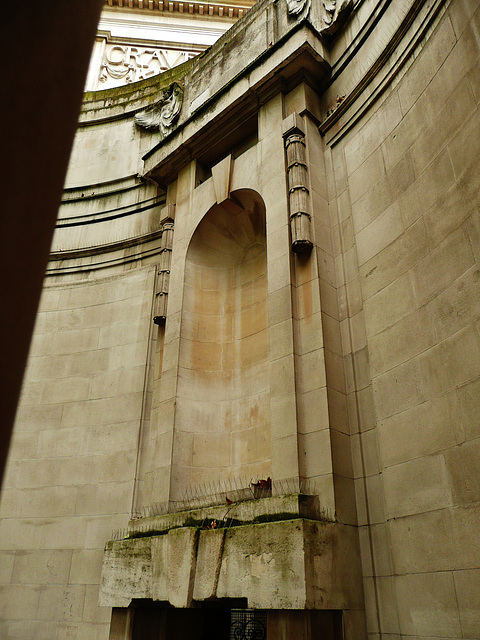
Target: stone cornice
point(299, 61)
point(232, 10)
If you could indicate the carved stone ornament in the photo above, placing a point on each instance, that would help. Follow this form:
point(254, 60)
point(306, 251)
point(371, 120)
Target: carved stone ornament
point(298, 193)
point(163, 273)
point(164, 112)
point(336, 11)
point(298, 8)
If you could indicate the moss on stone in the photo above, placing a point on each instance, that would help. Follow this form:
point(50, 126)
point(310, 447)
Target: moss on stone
point(126, 94)
point(148, 534)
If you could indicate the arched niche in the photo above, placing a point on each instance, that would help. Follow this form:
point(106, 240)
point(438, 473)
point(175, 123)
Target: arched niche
point(222, 425)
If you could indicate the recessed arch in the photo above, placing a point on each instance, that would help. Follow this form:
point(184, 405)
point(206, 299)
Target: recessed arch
point(222, 424)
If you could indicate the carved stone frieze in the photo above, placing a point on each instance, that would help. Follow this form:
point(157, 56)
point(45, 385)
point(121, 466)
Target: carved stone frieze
point(128, 63)
point(164, 112)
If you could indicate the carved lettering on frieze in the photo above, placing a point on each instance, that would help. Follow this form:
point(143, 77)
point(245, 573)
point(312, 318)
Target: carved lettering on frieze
point(130, 64)
point(164, 112)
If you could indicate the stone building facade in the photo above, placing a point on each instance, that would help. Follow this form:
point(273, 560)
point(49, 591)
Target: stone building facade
point(138, 40)
point(251, 404)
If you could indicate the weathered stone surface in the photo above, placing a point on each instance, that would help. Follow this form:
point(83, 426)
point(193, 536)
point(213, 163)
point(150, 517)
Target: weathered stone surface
point(126, 573)
point(354, 371)
point(265, 563)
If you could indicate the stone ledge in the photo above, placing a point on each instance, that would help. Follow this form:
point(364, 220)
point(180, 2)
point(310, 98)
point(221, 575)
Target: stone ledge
point(291, 564)
point(239, 513)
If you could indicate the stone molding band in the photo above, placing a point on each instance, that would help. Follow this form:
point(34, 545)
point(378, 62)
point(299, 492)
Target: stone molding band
point(195, 8)
point(109, 214)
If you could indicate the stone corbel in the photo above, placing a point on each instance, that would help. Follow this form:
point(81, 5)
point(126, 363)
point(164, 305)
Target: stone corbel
point(222, 179)
point(298, 191)
point(222, 175)
point(163, 272)
point(162, 115)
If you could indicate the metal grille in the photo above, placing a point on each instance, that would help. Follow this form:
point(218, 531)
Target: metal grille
point(248, 624)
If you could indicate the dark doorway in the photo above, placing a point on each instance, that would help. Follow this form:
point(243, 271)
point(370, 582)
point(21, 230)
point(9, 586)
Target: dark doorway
point(230, 620)
point(154, 621)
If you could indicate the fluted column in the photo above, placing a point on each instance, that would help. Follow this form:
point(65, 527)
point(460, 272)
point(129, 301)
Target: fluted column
point(298, 192)
point(163, 274)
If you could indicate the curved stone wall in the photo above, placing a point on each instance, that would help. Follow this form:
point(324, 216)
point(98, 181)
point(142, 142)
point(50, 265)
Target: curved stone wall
point(70, 478)
point(403, 183)
point(355, 367)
